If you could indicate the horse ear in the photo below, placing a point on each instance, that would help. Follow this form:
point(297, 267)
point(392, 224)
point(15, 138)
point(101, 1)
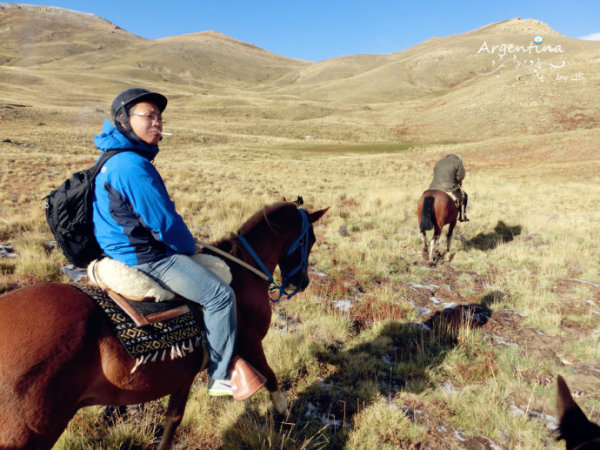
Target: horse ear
point(283, 199)
point(564, 400)
point(574, 427)
point(316, 215)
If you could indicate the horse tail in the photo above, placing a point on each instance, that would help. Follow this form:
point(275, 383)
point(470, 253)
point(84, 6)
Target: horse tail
point(427, 215)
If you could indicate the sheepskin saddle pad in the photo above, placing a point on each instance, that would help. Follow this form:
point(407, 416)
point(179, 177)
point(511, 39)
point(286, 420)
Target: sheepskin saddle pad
point(136, 285)
point(454, 198)
point(137, 293)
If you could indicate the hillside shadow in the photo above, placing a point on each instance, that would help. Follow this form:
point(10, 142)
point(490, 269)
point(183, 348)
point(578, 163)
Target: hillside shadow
point(488, 241)
point(397, 360)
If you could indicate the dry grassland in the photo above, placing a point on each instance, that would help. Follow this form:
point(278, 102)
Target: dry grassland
point(353, 357)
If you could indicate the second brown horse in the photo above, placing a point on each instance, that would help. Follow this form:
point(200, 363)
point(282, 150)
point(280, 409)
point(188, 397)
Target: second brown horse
point(435, 210)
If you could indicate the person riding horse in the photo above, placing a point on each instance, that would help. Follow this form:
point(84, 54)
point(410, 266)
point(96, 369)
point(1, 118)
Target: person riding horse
point(448, 175)
point(135, 222)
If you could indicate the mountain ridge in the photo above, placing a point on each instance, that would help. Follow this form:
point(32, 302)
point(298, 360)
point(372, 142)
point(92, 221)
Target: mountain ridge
point(426, 90)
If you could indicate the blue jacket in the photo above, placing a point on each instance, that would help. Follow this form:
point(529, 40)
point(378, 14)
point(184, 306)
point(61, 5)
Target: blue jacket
point(135, 221)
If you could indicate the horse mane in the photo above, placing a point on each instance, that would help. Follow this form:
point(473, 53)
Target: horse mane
point(263, 214)
point(229, 244)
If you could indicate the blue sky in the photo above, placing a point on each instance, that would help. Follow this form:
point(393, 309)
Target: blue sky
point(315, 30)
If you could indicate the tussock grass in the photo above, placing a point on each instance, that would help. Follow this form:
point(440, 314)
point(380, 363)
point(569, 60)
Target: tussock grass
point(386, 426)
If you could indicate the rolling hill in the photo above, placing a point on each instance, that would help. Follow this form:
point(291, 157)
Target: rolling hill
point(493, 81)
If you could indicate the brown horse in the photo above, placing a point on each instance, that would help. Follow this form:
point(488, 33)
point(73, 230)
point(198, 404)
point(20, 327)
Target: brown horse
point(574, 426)
point(434, 210)
point(57, 353)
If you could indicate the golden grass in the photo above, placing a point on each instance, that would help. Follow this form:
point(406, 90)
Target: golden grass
point(370, 376)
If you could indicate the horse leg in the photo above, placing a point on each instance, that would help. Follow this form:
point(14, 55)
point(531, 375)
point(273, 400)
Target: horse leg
point(259, 361)
point(174, 415)
point(279, 402)
point(425, 248)
point(277, 398)
point(449, 236)
point(433, 247)
point(250, 348)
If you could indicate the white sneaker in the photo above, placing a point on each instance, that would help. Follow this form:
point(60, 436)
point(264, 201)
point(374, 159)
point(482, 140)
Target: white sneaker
point(219, 388)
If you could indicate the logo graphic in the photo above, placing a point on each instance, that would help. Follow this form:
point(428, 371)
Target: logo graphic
point(536, 58)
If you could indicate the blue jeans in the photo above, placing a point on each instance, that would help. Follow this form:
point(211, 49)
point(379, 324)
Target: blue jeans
point(184, 276)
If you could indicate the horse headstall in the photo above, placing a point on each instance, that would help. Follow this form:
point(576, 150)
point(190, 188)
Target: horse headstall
point(302, 243)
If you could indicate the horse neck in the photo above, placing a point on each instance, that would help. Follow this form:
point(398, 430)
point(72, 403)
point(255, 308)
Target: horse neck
point(268, 244)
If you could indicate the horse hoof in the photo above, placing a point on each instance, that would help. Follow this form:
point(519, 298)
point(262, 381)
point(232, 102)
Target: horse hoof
point(279, 403)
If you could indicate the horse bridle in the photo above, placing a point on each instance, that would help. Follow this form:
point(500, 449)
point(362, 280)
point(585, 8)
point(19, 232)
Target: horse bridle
point(302, 243)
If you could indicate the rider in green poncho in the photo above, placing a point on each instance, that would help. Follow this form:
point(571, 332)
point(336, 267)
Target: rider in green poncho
point(448, 175)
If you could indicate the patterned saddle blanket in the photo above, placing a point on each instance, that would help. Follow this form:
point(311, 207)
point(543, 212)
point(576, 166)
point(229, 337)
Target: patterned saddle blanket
point(171, 338)
point(149, 320)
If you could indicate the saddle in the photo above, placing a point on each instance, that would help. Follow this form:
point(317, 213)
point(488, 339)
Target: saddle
point(454, 198)
point(146, 303)
point(141, 297)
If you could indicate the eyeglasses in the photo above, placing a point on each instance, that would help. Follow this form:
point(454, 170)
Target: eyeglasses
point(151, 117)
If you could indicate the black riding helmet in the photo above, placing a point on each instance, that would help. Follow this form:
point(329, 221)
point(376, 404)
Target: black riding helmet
point(126, 100)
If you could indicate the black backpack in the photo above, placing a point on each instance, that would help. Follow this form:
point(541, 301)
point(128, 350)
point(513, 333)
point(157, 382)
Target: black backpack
point(69, 214)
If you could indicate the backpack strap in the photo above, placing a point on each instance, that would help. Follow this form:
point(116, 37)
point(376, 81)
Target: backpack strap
point(106, 156)
point(103, 158)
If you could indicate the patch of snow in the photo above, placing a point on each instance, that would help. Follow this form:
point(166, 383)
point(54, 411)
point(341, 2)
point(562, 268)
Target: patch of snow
point(459, 436)
point(448, 388)
point(593, 369)
point(7, 251)
point(431, 287)
point(493, 445)
point(318, 273)
point(596, 285)
point(420, 311)
point(551, 421)
point(512, 311)
point(74, 272)
point(343, 305)
point(499, 340)
point(425, 327)
point(514, 409)
point(313, 411)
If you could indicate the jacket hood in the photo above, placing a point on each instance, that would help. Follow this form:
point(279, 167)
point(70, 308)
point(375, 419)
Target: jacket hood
point(111, 139)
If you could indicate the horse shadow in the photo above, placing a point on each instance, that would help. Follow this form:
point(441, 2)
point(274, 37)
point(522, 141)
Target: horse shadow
point(398, 359)
point(502, 233)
